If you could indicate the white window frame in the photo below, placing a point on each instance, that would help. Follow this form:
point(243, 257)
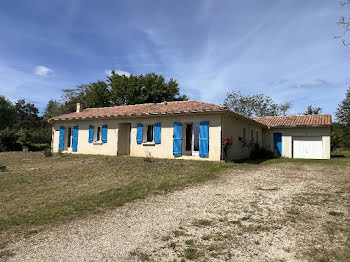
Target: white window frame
point(71, 138)
point(144, 135)
point(96, 139)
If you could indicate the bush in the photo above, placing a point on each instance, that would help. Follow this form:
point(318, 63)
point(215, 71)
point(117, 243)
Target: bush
point(9, 140)
point(258, 152)
point(47, 152)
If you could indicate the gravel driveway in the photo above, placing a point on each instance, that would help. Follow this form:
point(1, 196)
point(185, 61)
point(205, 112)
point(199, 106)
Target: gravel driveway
point(269, 213)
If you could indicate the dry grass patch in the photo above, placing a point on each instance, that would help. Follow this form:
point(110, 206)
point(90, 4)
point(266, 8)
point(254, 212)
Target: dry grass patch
point(36, 191)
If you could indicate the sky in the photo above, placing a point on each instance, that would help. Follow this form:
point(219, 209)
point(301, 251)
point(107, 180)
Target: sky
point(282, 48)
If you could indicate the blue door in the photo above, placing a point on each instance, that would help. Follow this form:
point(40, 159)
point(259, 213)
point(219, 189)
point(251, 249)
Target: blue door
point(277, 143)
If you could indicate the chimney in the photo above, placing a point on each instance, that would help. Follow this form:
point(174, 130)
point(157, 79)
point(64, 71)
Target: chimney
point(79, 107)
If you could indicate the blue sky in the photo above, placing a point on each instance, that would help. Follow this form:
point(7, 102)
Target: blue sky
point(285, 49)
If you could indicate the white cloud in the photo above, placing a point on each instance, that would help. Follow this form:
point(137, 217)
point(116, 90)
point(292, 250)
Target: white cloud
point(43, 71)
point(118, 72)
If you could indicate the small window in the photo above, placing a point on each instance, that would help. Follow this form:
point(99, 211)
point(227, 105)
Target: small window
point(244, 133)
point(251, 135)
point(196, 137)
point(69, 137)
point(257, 136)
point(150, 129)
point(98, 134)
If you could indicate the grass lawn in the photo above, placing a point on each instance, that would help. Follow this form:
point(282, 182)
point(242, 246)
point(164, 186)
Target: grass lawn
point(36, 191)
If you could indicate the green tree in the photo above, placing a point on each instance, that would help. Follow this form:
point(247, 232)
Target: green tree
point(95, 94)
point(343, 110)
point(53, 108)
point(313, 110)
point(7, 113)
point(149, 88)
point(254, 105)
point(27, 115)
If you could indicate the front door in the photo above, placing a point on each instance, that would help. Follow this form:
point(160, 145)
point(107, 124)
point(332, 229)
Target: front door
point(277, 143)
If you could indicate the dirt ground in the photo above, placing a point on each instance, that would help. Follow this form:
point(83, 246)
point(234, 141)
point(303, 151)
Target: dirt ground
point(279, 212)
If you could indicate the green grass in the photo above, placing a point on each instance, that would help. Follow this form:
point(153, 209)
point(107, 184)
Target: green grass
point(36, 191)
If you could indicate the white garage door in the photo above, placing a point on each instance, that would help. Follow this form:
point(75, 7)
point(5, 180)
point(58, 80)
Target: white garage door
point(307, 147)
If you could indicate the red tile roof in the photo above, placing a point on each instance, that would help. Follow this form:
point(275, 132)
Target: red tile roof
point(143, 109)
point(294, 121)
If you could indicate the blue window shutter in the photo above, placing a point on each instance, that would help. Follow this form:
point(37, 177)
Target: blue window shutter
point(75, 139)
point(91, 133)
point(177, 143)
point(139, 133)
point(61, 140)
point(157, 133)
point(104, 133)
point(204, 139)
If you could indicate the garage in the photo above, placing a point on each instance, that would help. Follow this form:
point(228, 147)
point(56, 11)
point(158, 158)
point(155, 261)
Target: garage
point(307, 147)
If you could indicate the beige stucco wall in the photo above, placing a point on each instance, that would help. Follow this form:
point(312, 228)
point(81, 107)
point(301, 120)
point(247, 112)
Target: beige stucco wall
point(163, 150)
point(233, 127)
point(287, 138)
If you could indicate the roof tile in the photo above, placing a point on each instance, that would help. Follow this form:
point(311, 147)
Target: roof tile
point(293, 121)
point(143, 109)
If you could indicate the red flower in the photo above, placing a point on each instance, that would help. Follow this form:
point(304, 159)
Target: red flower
point(227, 140)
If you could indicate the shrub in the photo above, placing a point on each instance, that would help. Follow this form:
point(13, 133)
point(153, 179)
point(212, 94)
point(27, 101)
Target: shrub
point(47, 152)
point(259, 152)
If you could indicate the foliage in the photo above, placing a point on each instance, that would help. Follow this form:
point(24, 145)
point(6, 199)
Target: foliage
point(22, 128)
point(122, 90)
point(47, 152)
point(149, 88)
point(260, 152)
point(344, 22)
point(226, 143)
point(7, 113)
point(340, 136)
point(53, 108)
point(27, 115)
point(343, 110)
point(254, 105)
point(313, 110)
point(95, 94)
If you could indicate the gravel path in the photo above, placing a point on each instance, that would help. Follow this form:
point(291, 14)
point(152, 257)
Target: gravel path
point(245, 215)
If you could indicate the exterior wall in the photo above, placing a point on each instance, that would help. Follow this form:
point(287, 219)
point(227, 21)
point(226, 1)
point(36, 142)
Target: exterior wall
point(163, 150)
point(233, 128)
point(287, 138)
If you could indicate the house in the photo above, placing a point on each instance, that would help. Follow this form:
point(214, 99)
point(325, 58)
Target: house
point(302, 136)
point(185, 130)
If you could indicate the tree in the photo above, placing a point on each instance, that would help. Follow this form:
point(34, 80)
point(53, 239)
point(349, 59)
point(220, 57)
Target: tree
point(7, 113)
point(27, 115)
point(255, 105)
point(343, 110)
point(313, 110)
point(53, 108)
point(149, 88)
point(95, 94)
point(344, 22)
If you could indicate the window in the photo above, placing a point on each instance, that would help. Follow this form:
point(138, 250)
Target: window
point(150, 129)
point(69, 137)
point(251, 135)
point(189, 137)
point(244, 133)
point(257, 136)
point(195, 137)
point(98, 134)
